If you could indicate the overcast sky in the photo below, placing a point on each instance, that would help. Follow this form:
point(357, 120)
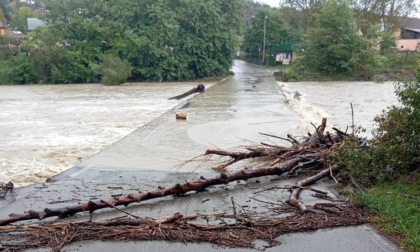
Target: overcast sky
point(272, 3)
point(275, 3)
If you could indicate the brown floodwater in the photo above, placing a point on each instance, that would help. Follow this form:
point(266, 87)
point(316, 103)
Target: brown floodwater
point(46, 129)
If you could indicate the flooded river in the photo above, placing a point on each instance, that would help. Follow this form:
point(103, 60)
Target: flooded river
point(45, 129)
point(314, 100)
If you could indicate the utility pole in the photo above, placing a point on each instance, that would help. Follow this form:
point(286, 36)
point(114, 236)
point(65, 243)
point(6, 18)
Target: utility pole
point(265, 24)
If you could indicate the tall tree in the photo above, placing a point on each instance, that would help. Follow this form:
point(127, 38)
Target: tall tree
point(306, 9)
point(333, 46)
point(5, 16)
point(277, 32)
point(19, 18)
point(385, 13)
point(162, 40)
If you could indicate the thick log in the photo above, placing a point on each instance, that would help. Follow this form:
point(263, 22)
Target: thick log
point(323, 125)
point(6, 188)
point(260, 152)
point(293, 198)
point(178, 189)
point(199, 89)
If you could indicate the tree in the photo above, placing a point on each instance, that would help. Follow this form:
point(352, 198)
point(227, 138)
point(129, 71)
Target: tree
point(2, 17)
point(305, 9)
point(399, 128)
point(277, 32)
point(19, 18)
point(333, 46)
point(161, 40)
point(394, 150)
point(386, 13)
point(4, 13)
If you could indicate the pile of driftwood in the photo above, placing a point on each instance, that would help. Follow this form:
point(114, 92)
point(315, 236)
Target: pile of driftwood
point(310, 153)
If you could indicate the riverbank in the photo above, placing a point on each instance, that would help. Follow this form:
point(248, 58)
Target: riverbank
point(160, 154)
point(394, 210)
point(393, 207)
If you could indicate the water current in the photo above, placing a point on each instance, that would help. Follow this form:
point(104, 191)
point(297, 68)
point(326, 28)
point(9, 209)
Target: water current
point(46, 129)
point(315, 100)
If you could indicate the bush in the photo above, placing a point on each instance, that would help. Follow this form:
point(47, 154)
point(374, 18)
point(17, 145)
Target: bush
point(368, 167)
point(113, 70)
point(17, 70)
point(395, 149)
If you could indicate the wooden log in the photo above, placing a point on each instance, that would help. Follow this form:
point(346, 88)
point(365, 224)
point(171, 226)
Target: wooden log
point(177, 189)
point(240, 155)
point(293, 198)
point(7, 187)
point(199, 89)
point(323, 125)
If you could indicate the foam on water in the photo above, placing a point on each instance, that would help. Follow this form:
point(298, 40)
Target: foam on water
point(314, 100)
point(46, 129)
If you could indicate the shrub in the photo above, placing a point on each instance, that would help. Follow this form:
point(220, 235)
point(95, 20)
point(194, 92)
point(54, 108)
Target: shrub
point(395, 149)
point(113, 70)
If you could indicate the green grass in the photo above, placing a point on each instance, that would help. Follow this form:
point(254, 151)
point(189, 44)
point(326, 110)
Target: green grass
point(398, 209)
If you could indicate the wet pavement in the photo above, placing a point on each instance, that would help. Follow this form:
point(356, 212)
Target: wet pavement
point(167, 151)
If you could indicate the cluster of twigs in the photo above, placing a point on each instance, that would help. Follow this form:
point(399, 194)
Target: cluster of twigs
point(309, 153)
point(251, 227)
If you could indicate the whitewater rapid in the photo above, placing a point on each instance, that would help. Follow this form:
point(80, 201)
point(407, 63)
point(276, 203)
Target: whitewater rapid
point(314, 100)
point(46, 129)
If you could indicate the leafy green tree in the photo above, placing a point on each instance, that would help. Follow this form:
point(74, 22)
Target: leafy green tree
point(302, 12)
point(19, 18)
point(277, 32)
point(395, 149)
point(3, 16)
point(161, 40)
point(4, 12)
point(387, 13)
point(114, 71)
point(399, 127)
point(387, 43)
point(333, 47)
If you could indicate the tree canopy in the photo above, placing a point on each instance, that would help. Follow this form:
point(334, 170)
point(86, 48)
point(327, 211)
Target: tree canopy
point(333, 46)
point(161, 40)
point(277, 32)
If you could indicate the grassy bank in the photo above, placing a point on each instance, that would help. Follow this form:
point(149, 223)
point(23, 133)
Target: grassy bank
point(396, 211)
point(396, 66)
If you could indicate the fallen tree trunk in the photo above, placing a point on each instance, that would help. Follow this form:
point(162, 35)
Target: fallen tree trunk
point(293, 198)
point(250, 225)
point(199, 89)
point(178, 189)
point(5, 188)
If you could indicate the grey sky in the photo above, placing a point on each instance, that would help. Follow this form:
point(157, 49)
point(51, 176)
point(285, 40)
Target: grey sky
point(275, 3)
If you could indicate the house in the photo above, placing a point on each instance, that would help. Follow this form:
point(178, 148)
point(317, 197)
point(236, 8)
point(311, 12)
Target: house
point(285, 56)
point(3, 28)
point(34, 23)
point(409, 35)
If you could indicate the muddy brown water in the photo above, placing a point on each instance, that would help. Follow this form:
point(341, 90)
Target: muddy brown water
point(46, 129)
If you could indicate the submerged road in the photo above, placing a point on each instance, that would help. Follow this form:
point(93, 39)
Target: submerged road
point(228, 115)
